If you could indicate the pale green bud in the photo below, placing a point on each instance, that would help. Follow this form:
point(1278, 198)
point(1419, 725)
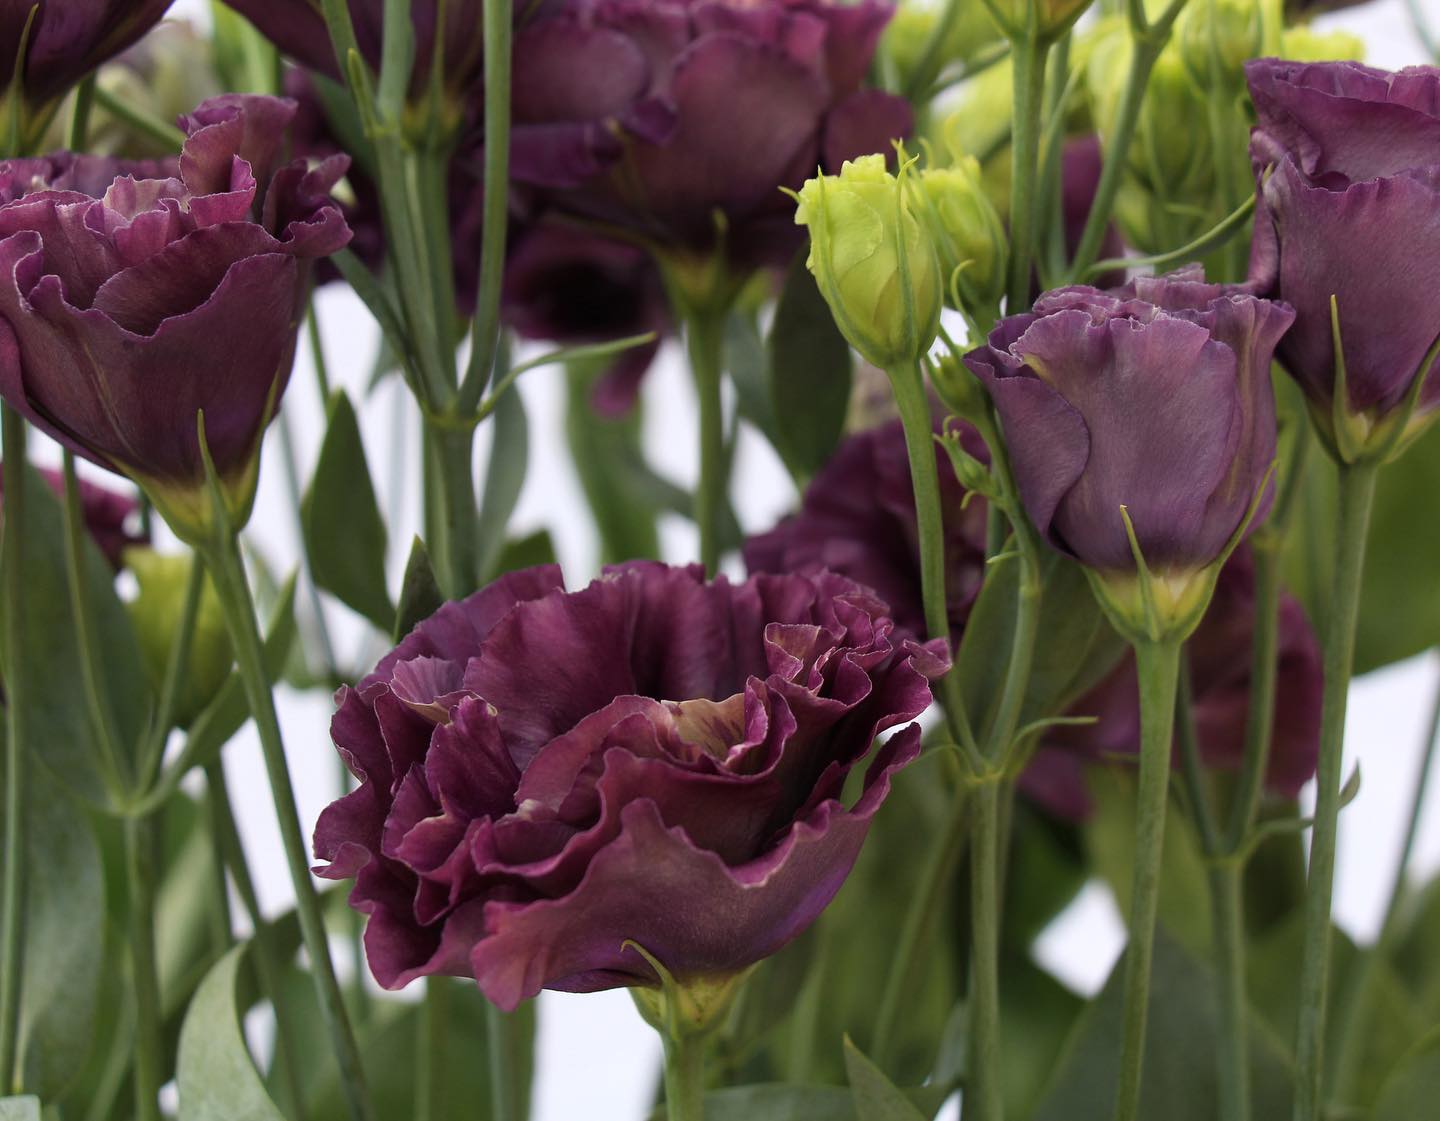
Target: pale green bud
point(968, 234)
point(1051, 17)
point(1216, 37)
point(872, 261)
point(914, 24)
point(1304, 44)
point(156, 614)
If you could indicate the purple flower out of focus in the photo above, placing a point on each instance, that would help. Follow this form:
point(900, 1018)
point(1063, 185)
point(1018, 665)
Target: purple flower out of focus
point(858, 519)
point(1350, 210)
point(68, 39)
point(1155, 396)
point(655, 115)
point(1219, 661)
point(108, 515)
point(134, 296)
point(545, 775)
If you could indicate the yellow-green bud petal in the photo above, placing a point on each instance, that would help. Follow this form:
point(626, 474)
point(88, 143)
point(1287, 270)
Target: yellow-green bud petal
point(1304, 44)
point(872, 261)
point(1216, 37)
point(1051, 16)
point(968, 235)
point(156, 613)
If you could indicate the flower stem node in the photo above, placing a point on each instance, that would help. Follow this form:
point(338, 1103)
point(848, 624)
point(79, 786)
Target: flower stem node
point(873, 260)
point(688, 1009)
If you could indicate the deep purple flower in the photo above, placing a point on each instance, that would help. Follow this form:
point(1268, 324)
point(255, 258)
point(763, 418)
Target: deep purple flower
point(1155, 397)
point(571, 287)
point(130, 304)
point(111, 518)
point(1350, 210)
point(68, 39)
point(545, 775)
point(655, 115)
point(858, 519)
point(1219, 661)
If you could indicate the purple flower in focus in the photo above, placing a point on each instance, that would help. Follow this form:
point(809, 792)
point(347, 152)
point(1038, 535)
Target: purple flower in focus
point(1350, 210)
point(67, 40)
point(1155, 397)
point(1219, 662)
point(655, 115)
point(858, 519)
point(130, 304)
point(545, 775)
point(571, 287)
point(111, 518)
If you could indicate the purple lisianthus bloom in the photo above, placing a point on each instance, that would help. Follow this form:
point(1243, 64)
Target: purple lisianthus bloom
point(655, 115)
point(130, 304)
point(1155, 397)
point(111, 518)
point(68, 39)
point(571, 287)
point(546, 776)
point(1219, 664)
point(1351, 210)
point(858, 519)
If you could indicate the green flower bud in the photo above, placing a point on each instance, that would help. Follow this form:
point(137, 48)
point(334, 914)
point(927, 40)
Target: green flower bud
point(156, 613)
point(1304, 44)
point(1052, 17)
point(968, 234)
point(914, 24)
point(1216, 37)
point(872, 261)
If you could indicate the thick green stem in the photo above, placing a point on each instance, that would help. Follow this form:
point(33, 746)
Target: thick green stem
point(267, 965)
point(228, 573)
point(430, 1104)
point(501, 1035)
point(459, 533)
point(704, 334)
point(1158, 664)
point(1227, 901)
point(685, 1078)
point(1028, 55)
point(140, 870)
point(1357, 493)
point(12, 894)
point(1264, 671)
point(920, 914)
point(984, 1085)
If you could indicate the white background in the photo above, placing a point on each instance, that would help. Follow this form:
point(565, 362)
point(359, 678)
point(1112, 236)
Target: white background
point(596, 1059)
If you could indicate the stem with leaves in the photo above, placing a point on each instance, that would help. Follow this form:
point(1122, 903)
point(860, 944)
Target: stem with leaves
point(1356, 497)
point(1158, 665)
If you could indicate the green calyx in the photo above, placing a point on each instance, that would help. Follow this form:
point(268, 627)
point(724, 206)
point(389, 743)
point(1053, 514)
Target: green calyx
point(686, 1009)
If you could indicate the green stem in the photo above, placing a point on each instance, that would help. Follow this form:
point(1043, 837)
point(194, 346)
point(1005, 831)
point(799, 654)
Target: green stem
point(1227, 900)
point(909, 388)
point(985, 1082)
point(920, 914)
point(704, 334)
point(267, 965)
point(317, 353)
point(430, 1104)
point(140, 869)
point(1356, 496)
point(228, 574)
point(501, 1035)
point(685, 1078)
point(1158, 664)
point(176, 663)
point(1028, 56)
point(933, 58)
point(454, 483)
point(12, 894)
point(147, 124)
point(499, 23)
point(1264, 672)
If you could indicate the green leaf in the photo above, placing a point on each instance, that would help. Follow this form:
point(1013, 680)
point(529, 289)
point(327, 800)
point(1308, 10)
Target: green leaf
point(526, 552)
point(344, 531)
point(49, 673)
point(746, 361)
point(1040, 1013)
point(777, 1101)
point(24, 1108)
point(64, 938)
point(216, 1075)
point(420, 594)
point(876, 1097)
point(504, 478)
point(1412, 1090)
point(810, 369)
point(1180, 1044)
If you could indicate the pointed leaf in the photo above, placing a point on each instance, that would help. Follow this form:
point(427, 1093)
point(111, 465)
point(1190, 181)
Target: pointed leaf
point(344, 531)
point(876, 1097)
point(420, 594)
point(216, 1075)
point(526, 552)
point(504, 477)
point(1413, 1087)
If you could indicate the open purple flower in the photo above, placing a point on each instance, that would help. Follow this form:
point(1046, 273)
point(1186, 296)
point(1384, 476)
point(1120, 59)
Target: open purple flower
point(858, 519)
point(545, 775)
point(1351, 210)
point(1155, 397)
point(1219, 661)
point(128, 305)
point(657, 116)
point(67, 40)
